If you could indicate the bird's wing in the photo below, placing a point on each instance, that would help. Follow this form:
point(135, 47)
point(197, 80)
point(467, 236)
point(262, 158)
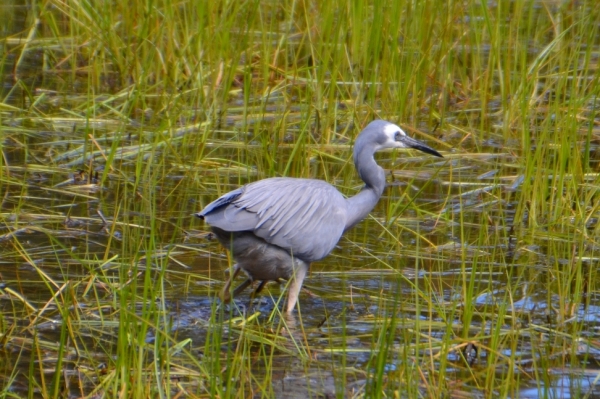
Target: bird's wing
point(219, 202)
point(302, 215)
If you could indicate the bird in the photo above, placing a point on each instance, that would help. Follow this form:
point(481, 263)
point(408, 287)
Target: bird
point(275, 228)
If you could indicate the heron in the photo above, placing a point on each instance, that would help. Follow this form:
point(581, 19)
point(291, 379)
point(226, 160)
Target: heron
point(276, 227)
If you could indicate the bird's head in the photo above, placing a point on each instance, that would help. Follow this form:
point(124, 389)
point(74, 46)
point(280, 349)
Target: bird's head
point(382, 134)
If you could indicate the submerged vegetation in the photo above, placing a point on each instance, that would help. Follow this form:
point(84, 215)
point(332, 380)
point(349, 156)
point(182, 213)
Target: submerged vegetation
point(475, 276)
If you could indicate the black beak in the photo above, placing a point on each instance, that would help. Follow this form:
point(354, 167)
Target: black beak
point(418, 145)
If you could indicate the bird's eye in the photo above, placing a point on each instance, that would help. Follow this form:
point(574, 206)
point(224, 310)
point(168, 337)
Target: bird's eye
point(398, 136)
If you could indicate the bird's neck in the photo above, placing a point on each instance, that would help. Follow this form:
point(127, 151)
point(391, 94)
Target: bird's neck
point(362, 203)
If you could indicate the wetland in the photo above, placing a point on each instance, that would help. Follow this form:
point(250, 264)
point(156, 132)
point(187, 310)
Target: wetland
point(476, 275)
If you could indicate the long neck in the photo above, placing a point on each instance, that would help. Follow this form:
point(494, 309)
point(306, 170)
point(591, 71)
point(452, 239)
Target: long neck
point(359, 206)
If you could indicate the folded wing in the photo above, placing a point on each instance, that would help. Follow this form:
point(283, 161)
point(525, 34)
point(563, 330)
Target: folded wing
point(305, 216)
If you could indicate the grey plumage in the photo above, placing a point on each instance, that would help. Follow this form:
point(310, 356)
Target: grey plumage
point(277, 227)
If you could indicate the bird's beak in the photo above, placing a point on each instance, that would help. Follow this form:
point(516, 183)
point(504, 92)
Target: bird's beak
point(409, 142)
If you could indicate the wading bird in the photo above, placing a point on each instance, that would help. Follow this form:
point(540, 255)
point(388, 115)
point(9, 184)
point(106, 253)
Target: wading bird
point(275, 228)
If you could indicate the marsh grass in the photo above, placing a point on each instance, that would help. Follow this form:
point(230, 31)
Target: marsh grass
point(475, 276)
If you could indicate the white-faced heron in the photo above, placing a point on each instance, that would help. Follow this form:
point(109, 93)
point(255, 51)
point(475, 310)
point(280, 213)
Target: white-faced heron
point(277, 227)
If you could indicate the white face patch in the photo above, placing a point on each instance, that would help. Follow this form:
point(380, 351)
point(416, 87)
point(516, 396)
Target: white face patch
point(392, 132)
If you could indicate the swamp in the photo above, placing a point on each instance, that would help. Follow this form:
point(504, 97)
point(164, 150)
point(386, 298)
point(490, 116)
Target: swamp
point(475, 276)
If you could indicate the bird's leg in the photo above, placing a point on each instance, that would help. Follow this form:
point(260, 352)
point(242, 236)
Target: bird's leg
point(296, 285)
point(242, 286)
point(225, 296)
point(260, 287)
point(253, 294)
